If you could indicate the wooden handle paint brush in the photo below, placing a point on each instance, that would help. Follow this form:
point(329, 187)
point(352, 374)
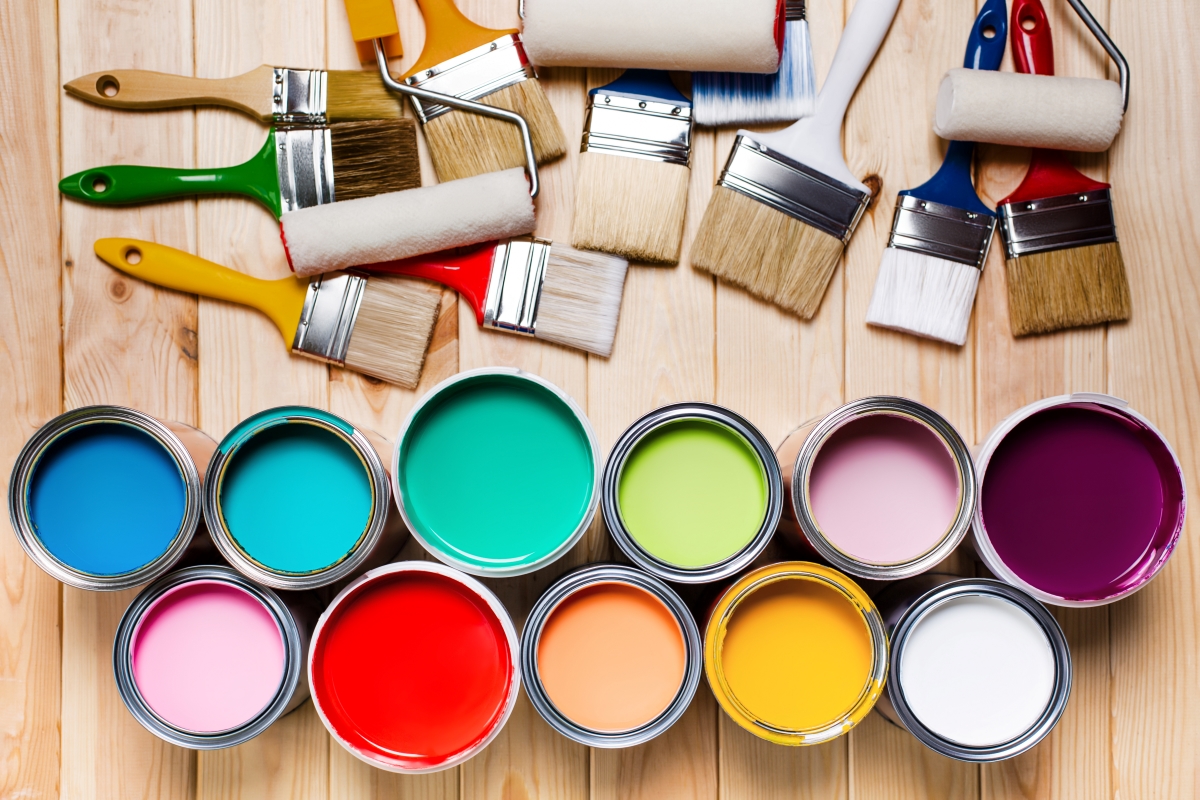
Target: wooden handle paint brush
point(1062, 259)
point(295, 168)
point(273, 95)
point(786, 204)
point(379, 327)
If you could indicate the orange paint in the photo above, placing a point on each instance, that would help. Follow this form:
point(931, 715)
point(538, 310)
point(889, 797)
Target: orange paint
point(611, 657)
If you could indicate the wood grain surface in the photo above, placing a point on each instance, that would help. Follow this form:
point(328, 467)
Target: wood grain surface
point(74, 332)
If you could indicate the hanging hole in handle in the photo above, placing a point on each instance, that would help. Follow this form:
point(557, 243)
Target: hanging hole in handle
point(989, 31)
point(99, 184)
point(108, 86)
point(133, 256)
point(1028, 23)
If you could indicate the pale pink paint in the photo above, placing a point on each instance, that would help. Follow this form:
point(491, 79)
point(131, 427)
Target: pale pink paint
point(208, 656)
point(884, 489)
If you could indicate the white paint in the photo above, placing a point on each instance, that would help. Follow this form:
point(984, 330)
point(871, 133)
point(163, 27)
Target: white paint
point(977, 670)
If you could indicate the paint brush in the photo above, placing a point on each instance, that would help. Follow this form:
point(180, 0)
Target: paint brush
point(533, 287)
point(941, 231)
point(737, 98)
point(378, 327)
point(295, 168)
point(273, 95)
point(631, 193)
point(1062, 259)
point(786, 204)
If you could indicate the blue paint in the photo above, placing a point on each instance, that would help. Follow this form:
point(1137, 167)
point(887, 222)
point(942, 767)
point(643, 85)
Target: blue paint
point(295, 497)
point(106, 498)
point(652, 85)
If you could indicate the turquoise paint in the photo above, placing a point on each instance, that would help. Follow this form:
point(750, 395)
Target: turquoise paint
point(106, 498)
point(295, 497)
point(497, 472)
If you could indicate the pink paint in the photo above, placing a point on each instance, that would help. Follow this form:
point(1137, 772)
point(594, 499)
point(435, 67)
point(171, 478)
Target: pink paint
point(884, 489)
point(208, 657)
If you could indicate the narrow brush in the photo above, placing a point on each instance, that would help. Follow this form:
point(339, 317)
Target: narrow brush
point(1063, 262)
point(378, 327)
point(533, 287)
point(786, 204)
point(738, 98)
point(942, 231)
point(273, 95)
point(295, 168)
point(631, 193)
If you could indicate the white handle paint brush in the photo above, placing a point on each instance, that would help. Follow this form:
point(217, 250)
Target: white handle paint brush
point(786, 204)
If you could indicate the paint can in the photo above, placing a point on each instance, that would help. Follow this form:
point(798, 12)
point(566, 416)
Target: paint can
point(1082, 500)
point(692, 493)
point(611, 656)
point(414, 667)
point(882, 488)
point(298, 498)
point(497, 472)
point(796, 653)
point(205, 658)
point(107, 498)
point(980, 670)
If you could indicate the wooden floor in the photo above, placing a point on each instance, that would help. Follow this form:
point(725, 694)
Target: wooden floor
point(74, 332)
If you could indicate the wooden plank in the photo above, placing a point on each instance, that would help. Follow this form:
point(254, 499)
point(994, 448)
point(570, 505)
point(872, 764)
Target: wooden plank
point(125, 342)
point(246, 367)
point(30, 393)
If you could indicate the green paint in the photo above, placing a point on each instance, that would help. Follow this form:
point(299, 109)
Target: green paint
point(295, 497)
point(497, 472)
point(692, 493)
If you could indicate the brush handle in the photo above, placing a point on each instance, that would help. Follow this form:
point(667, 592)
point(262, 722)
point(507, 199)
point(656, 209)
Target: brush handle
point(122, 184)
point(466, 270)
point(817, 140)
point(141, 89)
point(281, 300)
point(448, 33)
point(1050, 172)
point(654, 85)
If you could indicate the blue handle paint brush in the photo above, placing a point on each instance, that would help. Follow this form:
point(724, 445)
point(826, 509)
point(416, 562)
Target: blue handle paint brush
point(941, 231)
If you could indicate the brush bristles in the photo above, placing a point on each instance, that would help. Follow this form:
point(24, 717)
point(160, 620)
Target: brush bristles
point(393, 329)
point(735, 98)
point(375, 157)
point(581, 299)
point(463, 144)
point(766, 252)
point(631, 207)
point(1067, 289)
point(360, 95)
point(923, 295)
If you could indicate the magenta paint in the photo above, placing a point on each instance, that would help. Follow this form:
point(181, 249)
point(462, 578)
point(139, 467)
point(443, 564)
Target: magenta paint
point(1081, 501)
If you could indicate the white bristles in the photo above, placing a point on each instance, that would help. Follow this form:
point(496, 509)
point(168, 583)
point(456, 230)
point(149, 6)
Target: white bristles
point(735, 98)
point(581, 299)
point(923, 295)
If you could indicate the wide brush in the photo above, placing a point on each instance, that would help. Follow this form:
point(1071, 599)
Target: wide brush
point(379, 327)
point(941, 231)
point(274, 95)
point(295, 168)
point(1062, 259)
point(786, 204)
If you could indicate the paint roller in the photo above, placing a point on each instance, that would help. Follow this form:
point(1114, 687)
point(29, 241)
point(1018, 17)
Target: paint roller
point(1045, 111)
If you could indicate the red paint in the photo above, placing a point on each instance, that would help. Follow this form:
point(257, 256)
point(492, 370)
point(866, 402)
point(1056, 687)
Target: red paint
point(412, 669)
point(1050, 172)
point(466, 270)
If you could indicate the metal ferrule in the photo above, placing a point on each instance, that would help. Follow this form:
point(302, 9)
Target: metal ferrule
point(472, 75)
point(304, 162)
point(906, 603)
point(299, 96)
point(1057, 223)
point(942, 231)
point(515, 285)
point(627, 126)
point(793, 10)
point(799, 191)
point(328, 316)
point(30, 457)
point(295, 620)
point(611, 507)
point(582, 578)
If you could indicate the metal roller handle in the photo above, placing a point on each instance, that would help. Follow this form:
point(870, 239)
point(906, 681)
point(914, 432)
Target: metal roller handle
point(466, 105)
point(1109, 46)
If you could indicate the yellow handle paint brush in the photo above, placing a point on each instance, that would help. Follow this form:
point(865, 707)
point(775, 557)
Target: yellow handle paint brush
point(379, 327)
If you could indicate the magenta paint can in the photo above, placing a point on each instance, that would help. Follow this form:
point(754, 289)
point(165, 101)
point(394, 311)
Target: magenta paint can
point(1082, 500)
